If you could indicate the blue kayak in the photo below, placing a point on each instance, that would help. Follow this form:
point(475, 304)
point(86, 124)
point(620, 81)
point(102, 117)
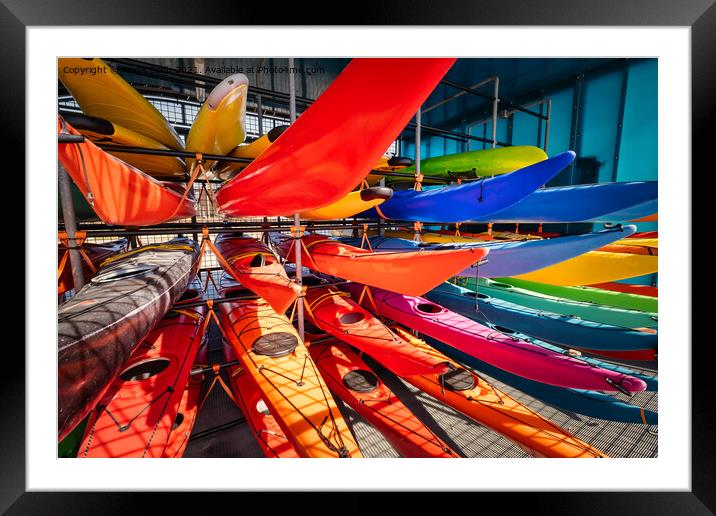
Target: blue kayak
point(513, 258)
point(588, 403)
point(603, 202)
point(473, 200)
point(563, 330)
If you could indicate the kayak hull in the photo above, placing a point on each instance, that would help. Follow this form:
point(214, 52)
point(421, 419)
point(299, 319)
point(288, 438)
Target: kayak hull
point(589, 295)
point(337, 314)
point(123, 424)
point(352, 380)
point(255, 267)
point(268, 433)
point(602, 202)
point(473, 200)
point(274, 356)
point(412, 273)
point(121, 194)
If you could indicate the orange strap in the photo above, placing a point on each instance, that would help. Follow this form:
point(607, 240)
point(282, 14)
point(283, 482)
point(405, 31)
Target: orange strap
point(457, 229)
point(206, 242)
point(418, 185)
point(417, 228)
point(196, 168)
point(517, 229)
point(369, 294)
point(365, 238)
point(80, 237)
point(307, 306)
point(489, 229)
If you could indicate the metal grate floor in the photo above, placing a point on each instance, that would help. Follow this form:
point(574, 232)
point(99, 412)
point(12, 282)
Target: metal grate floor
point(221, 431)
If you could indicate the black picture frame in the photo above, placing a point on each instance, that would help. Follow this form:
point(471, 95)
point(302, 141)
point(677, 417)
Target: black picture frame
point(17, 15)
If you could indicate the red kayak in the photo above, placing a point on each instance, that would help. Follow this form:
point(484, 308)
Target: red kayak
point(334, 144)
point(137, 415)
point(264, 426)
point(352, 380)
point(120, 194)
point(413, 272)
point(334, 312)
point(642, 290)
point(255, 267)
point(188, 410)
point(97, 253)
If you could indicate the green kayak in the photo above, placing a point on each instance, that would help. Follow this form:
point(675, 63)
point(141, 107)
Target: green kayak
point(483, 162)
point(69, 446)
point(589, 295)
point(83, 211)
point(587, 311)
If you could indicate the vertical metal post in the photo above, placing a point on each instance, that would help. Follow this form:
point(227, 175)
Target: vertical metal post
point(495, 107)
point(418, 128)
point(546, 125)
point(575, 133)
point(620, 120)
point(298, 248)
point(260, 114)
point(68, 214)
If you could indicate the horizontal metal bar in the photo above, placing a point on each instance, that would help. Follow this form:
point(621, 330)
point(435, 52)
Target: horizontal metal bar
point(454, 134)
point(170, 152)
point(506, 103)
point(70, 138)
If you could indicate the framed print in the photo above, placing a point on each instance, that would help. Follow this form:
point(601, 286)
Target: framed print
point(214, 175)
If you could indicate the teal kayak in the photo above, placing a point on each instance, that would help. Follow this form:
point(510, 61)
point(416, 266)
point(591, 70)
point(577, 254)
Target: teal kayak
point(588, 311)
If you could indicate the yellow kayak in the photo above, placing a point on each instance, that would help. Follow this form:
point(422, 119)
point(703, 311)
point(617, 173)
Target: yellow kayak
point(388, 164)
point(595, 267)
point(351, 204)
point(102, 93)
point(219, 127)
point(101, 131)
point(433, 238)
point(641, 242)
point(227, 169)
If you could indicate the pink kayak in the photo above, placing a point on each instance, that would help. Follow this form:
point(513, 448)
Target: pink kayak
point(511, 354)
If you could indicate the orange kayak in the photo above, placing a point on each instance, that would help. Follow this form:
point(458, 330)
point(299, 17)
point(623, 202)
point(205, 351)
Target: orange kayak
point(275, 359)
point(413, 273)
point(96, 253)
point(136, 417)
point(355, 383)
point(476, 398)
point(642, 290)
point(120, 194)
point(255, 267)
point(266, 430)
point(334, 312)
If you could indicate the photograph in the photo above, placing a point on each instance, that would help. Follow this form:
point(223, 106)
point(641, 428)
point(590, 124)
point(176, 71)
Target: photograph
point(357, 257)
